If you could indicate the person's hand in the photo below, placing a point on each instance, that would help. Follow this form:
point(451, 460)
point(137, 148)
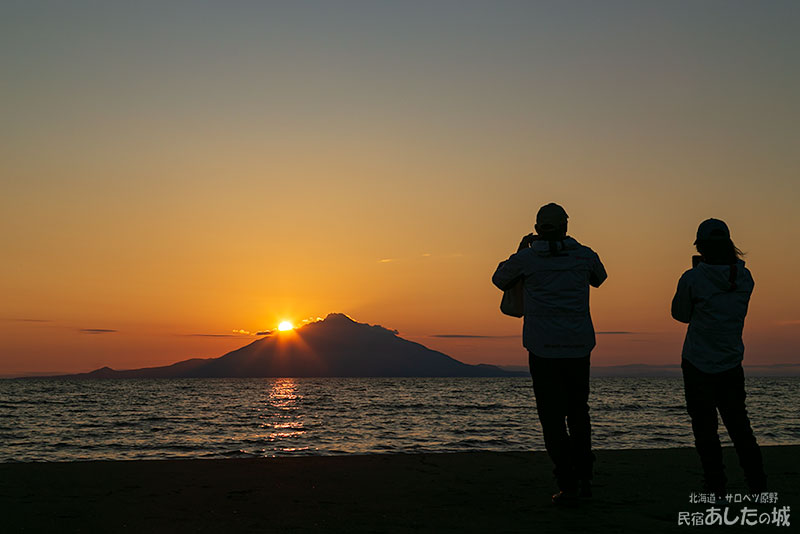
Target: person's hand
point(526, 242)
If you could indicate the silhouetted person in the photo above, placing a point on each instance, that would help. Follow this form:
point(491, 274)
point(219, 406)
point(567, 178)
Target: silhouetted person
point(558, 333)
point(713, 297)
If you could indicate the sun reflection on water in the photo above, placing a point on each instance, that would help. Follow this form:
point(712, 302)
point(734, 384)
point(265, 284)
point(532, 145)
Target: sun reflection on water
point(279, 416)
point(283, 393)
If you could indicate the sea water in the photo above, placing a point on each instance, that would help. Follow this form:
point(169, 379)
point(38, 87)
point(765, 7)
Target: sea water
point(60, 419)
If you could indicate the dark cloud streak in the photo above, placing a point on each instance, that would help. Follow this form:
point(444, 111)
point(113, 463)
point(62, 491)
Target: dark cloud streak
point(469, 336)
point(619, 333)
point(96, 331)
point(215, 335)
point(474, 336)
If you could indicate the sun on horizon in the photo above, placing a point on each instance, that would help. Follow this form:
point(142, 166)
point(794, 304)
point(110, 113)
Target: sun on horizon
point(285, 325)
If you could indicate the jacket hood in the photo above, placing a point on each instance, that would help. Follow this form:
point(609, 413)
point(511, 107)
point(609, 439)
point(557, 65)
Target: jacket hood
point(543, 247)
point(719, 275)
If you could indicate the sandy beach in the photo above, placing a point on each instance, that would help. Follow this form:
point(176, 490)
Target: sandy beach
point(635, 491)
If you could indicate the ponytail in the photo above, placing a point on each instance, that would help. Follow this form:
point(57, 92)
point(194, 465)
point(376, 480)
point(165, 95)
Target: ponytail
point(719, 251)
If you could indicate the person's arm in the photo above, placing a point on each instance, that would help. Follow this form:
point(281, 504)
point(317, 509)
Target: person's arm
point(598, 273)
point(508, 272)
point(682, 301)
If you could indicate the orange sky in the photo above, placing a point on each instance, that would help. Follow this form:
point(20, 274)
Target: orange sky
point(173, 176)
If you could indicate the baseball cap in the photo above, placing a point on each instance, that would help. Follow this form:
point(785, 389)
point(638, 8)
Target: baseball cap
point(712, 229)
point(551, 215)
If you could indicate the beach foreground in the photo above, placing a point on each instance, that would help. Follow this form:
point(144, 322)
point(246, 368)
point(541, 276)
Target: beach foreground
point(635, 491)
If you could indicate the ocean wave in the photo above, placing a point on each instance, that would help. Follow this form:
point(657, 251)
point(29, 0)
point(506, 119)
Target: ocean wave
point(136, 419)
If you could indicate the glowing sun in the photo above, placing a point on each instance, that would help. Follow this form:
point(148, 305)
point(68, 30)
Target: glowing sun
point(285, 325)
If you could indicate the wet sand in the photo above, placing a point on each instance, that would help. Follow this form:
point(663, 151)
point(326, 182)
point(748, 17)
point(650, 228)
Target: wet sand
point(635, 491)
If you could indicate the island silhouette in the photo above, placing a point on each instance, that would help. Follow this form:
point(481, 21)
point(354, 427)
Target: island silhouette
point(336, 346)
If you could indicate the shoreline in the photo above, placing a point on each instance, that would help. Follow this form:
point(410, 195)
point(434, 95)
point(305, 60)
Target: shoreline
point(634, 490)
point(298, 454)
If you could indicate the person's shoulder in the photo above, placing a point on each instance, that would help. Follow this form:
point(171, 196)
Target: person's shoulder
point(746, 272)
point(743, 266)
point(524, 252)
point(689, 275)
point(585, 250)
point(522, 255)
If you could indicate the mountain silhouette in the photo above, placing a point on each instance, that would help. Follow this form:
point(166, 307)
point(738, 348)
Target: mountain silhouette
point(334, 347)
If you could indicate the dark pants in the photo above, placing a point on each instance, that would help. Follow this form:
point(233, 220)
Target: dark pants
point(705, 394)
point(561, 387)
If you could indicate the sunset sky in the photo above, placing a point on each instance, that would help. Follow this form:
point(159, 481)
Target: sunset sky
point(175, 175)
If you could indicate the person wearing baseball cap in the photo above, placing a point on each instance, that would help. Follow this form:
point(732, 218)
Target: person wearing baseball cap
point(712, 297)
point(555, 272)
point(551, 217)
point(712, 230)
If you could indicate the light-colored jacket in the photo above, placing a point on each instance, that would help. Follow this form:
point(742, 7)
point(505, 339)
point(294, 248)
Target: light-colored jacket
point(556, 295)
point(715, 310)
